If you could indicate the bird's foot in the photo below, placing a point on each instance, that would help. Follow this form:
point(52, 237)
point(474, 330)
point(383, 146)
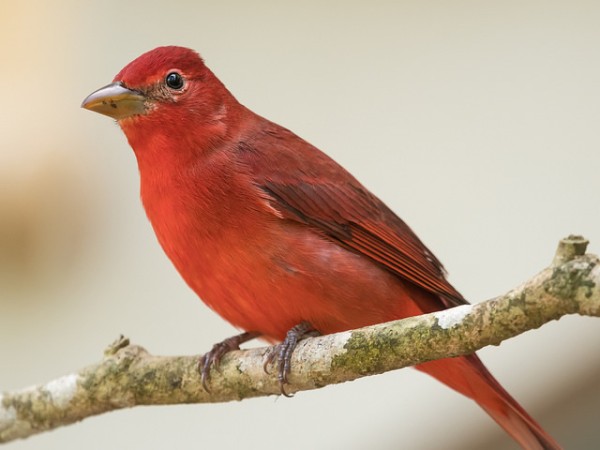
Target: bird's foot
point(281, 354)
point(215, 355)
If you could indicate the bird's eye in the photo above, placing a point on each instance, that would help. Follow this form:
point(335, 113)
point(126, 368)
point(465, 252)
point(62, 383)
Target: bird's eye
point(174, 80)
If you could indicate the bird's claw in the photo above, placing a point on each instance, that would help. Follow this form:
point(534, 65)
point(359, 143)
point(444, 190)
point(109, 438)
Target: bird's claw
point(281, 354)
point(215, 355)
point(212, 359)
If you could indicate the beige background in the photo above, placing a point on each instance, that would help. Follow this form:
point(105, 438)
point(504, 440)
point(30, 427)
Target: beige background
point(476, 121)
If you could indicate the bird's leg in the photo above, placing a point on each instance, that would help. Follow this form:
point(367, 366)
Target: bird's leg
point(214, 356)
point(282, 353)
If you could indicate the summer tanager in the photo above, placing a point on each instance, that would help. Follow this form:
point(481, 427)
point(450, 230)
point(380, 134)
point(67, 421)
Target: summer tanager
point(271, 233)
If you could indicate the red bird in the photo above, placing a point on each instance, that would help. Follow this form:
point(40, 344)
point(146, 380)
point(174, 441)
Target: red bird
point(273, 234)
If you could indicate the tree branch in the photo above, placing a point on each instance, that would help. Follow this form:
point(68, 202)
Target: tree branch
point(129, 376)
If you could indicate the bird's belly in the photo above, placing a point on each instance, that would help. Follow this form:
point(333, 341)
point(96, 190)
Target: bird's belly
point(272, 277)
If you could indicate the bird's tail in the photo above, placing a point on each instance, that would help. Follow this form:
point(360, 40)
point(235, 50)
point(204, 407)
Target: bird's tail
point(468, 375)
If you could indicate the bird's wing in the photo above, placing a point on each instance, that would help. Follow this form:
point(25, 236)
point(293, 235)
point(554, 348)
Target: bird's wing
point(304, 185)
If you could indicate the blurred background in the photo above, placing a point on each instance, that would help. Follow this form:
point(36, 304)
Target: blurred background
point(477, 122)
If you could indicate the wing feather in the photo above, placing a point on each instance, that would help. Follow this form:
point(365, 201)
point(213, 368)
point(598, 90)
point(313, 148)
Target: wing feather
point(309, 187)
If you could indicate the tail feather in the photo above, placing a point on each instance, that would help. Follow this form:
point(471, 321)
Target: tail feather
point(469, 376)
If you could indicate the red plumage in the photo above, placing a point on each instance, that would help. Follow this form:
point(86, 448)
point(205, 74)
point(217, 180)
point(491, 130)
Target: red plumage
point(270, 232)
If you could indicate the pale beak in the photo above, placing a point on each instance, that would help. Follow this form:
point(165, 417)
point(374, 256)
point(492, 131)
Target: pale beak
point(116, 101)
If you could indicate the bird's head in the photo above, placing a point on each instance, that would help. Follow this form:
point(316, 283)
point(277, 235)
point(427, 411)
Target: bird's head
point(164, 90)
